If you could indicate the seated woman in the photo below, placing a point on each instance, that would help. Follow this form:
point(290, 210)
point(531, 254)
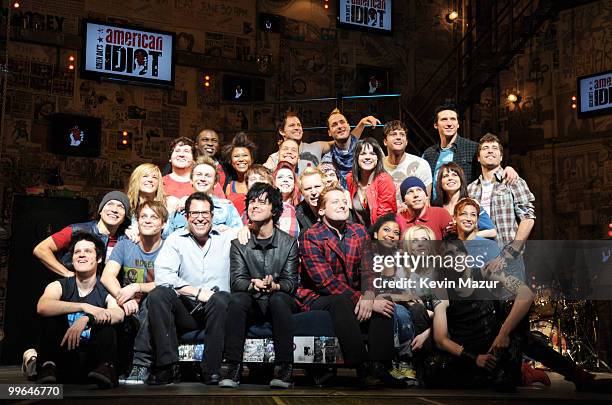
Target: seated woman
point(418, 242)
point(284, 180)
point(144, 185)
point(371, 188)
point(240, 155)
point(451, 186)
point(387, 232)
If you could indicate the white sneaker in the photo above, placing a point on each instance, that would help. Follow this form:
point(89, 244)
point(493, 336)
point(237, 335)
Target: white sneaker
point(29, 364)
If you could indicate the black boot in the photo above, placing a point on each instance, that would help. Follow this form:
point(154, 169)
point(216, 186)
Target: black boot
point(165, 375)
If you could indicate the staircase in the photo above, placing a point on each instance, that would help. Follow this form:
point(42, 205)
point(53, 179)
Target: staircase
point(475, 61)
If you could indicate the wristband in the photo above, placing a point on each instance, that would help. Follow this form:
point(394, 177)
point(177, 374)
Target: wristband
point(198, 294)
point(91, 319)
point(468, 355)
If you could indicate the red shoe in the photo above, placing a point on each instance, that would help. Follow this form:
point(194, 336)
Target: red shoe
point(531, 375)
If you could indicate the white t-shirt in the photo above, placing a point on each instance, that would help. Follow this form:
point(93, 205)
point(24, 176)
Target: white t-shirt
point(485, 198)
point(310, 156)
point(409, 166)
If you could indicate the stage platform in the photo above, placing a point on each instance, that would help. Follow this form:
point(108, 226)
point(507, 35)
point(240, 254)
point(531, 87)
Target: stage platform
point(559, 392)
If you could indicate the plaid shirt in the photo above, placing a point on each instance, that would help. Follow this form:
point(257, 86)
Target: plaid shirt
point(288, 221)
point(330, 266)
point(464, 154)
point(509, 205)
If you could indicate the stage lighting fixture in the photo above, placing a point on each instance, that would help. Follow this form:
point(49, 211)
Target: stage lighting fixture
point(16, 4)
point(452, 16)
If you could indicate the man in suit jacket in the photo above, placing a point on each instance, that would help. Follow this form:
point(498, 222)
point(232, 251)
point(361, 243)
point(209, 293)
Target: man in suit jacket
point(330, 280)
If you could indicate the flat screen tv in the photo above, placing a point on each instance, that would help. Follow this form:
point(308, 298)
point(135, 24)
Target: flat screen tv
point(369, 15)
point(595, 94)
point(243, 88)
point(75, 135)
point(125, 53)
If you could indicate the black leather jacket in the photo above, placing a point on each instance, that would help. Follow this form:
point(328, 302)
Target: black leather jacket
point(279, 258)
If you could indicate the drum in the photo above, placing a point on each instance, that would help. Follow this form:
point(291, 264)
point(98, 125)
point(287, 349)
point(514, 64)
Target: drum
point(546, 329)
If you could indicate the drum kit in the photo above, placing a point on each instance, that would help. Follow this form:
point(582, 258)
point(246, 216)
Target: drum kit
point(569, 326)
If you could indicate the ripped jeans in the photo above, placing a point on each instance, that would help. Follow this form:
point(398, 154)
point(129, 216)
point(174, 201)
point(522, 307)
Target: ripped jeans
point(403, 331)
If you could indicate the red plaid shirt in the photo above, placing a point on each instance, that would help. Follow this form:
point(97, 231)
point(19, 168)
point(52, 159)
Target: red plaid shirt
point(328, 269)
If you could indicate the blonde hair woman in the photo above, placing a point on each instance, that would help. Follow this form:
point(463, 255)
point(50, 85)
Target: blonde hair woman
point(145, 185)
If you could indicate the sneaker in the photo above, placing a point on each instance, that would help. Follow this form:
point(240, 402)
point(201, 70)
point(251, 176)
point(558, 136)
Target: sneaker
point(137, 376)
point(586, 382)
point(406, 371)
point(29, 364)
point(396, 373)
point(232, 378)
point(104, 376)
point(379, 370)
point(210, 379)
point(530, 375)
point(284, 377)
point(47, 374)
point(169, 374)
point(366, 378)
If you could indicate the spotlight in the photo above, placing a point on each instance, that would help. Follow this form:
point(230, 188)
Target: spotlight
point(452, 16)
point(16, 4)
point(513, 98)
point(206, 80)
point(574, 105)
point(71, 60)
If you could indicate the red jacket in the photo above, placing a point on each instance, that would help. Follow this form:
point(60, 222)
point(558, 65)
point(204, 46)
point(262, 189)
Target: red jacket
point(380, 195)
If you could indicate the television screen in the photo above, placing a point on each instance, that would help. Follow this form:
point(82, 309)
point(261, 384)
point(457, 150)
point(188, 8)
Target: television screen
point(372, 81)
point(75, 135)
point(127, 53)
point(371, 15)
point(243, 88)
point(595, 94)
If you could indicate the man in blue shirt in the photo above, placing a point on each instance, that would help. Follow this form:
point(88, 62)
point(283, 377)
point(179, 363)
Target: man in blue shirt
point(132, 264)
point(193, 282)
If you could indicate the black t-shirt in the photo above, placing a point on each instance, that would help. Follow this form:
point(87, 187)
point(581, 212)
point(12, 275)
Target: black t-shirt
point(472, 322)
point(70, 293)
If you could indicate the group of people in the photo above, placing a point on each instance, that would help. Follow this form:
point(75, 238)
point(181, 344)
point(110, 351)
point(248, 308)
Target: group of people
point(220, 243)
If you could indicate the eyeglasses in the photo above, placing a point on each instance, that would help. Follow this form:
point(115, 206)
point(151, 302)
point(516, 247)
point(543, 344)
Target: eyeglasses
point(196, 214)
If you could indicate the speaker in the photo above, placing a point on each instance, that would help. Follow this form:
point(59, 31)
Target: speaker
point(34, 219)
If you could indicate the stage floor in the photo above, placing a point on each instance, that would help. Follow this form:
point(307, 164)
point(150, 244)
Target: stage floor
point(560, 391)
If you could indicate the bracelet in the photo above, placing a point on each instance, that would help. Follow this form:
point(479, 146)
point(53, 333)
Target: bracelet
point(198, 294)
point(468, 355)
point(91, 319)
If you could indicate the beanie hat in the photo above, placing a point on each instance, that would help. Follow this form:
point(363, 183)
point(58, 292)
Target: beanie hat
point(410, 182)
point(118, 196)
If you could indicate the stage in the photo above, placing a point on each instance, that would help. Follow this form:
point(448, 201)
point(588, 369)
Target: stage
point(560, 391)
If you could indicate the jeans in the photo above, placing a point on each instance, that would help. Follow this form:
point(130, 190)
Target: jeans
point(403, 331)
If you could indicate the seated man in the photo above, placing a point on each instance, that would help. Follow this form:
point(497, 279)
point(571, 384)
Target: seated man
point(307, 211)
point(132, 263)
point(204, 177)
point(263, 281)
point(192, 293)
point(77, 316)
point(208, 145)
point(114, 211)
point(484, 349)
point(177, 183)
point(414, 194)
point(466, 216)
point(330, 280)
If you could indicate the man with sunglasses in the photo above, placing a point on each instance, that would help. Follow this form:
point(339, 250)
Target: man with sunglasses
point(193, 282)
